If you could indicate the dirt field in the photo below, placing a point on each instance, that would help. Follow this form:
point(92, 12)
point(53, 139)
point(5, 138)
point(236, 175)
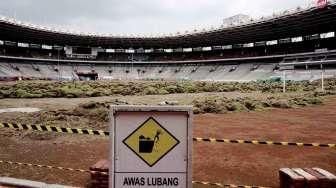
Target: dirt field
point(258, 165)
point(215, 162)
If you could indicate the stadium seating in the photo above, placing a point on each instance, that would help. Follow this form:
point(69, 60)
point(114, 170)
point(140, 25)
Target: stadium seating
point(258, 50)
point(240, 72)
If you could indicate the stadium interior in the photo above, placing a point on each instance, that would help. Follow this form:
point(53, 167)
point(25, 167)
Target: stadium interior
point(249, 104)
point(300, 45)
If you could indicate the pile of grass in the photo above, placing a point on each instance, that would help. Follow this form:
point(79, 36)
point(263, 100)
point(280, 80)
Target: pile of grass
point(95, 115)
point(225, 105)
point(215, 104)
point(49, 89)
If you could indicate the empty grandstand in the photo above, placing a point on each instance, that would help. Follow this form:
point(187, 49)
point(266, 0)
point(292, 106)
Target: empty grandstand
point(302, 43)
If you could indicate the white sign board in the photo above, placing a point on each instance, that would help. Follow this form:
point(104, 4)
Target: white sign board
point(151, 147)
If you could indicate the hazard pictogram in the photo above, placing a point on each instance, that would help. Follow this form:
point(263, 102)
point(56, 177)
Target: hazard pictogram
point(151, 141)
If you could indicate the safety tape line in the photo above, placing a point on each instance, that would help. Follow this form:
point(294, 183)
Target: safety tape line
point(44, 128)
point(52, 167)
point(225, 185)
point(105, 173)
point(256, 142)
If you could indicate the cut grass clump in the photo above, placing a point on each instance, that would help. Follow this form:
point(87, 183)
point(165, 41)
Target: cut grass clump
point(208, 105)
point(224, 105)
point(20, 93)
point(150, 91)
point(40, 89)
point(235, 106)
point(281, 103)
point(315, 100)
point(72, 92)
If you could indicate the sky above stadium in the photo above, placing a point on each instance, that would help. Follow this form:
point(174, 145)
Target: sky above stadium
point(139, 16)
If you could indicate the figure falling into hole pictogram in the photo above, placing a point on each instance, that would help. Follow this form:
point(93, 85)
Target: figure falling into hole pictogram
point(148, 145)
point(151, 141)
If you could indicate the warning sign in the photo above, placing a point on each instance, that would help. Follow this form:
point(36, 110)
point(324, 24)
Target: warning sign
point(150, 147)
point(151, 141)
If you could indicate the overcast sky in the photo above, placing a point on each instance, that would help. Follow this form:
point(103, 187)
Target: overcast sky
point(138, 16)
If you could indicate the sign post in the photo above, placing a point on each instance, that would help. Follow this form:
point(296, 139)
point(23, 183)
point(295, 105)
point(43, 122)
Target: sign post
point(151, 147)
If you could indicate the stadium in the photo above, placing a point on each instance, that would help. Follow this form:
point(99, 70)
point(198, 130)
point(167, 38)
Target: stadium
point(271, 79)
point(300, 40)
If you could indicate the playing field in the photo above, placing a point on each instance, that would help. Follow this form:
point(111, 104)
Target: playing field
point(215, 162)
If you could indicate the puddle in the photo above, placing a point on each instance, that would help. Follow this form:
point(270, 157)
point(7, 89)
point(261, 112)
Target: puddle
point(27, 110)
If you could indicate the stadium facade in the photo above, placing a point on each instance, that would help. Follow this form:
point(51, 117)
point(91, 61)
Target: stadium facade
point(300, 42)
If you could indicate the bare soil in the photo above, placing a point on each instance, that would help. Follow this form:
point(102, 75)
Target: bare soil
point(259, 165)
point(215, 162)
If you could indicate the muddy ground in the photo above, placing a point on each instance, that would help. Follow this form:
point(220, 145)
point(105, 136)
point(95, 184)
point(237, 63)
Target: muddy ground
point(215, 162)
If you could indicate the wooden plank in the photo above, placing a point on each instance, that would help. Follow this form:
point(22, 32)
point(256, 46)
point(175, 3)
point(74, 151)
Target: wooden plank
point(326, 173)
point(290, 179)
point(331, 177)
point(324, 182)
point(311, 181)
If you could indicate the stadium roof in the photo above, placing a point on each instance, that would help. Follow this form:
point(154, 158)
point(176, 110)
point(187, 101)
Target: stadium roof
point(300, 23)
